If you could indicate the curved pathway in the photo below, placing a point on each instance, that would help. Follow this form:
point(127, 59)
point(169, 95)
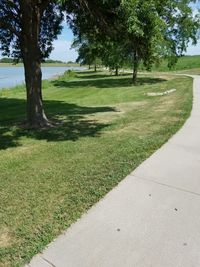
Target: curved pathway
point(151, 219)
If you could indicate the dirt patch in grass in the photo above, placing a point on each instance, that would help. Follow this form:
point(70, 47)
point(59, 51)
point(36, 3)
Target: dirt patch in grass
point(5, 237)
point(120, 110)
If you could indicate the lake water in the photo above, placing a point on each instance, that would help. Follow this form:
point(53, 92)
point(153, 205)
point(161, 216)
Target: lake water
point(12, 76)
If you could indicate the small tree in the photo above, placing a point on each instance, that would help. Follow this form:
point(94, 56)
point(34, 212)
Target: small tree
point(89, 51)
point(113, 55)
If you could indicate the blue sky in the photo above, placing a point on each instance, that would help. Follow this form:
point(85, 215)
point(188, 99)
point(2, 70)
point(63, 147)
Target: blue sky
point(62, 46)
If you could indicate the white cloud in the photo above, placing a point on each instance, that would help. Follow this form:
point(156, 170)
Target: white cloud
point(63, 52)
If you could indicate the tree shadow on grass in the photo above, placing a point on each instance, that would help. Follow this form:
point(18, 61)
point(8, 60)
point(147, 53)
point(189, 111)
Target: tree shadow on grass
point(72, 122)
point(85, 75)
point(107, 82)
point(95, 76)
point(86, 72)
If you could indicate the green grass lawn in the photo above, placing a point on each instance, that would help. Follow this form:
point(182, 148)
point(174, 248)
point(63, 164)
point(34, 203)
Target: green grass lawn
point(48, 178)
point(184, 63)
point(195, 71)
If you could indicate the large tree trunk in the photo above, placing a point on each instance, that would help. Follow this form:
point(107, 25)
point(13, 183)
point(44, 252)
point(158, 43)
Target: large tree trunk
point(33, 77)
point(31, 14)
point(135, 67)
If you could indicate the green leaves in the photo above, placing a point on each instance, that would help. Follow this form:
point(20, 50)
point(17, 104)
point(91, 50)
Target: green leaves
point(11, 26)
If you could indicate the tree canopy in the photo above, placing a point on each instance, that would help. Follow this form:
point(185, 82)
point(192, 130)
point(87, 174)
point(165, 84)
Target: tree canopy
point(13, 22)
point(27, 30)
point(142, 30)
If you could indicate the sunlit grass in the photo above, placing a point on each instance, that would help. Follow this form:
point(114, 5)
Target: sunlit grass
point(48, 178)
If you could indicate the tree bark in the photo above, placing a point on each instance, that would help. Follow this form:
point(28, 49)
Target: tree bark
point(33, 77)
point(31, 16)
point(95, 66)
point(116, 71)
point(135, 67)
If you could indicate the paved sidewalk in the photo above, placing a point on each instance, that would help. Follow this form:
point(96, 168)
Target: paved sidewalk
point(151, 219)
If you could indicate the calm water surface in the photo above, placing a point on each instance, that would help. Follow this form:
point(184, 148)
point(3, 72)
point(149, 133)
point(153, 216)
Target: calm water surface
point(12, 76)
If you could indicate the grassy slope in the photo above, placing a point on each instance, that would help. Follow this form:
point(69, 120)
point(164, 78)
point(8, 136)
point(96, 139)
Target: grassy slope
point(184, 63)
point(49, 178)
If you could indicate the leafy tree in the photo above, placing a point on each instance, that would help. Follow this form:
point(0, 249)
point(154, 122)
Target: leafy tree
point(27, 30)
point(152, 28)
point(95, 26)
point(88, 51)
point(114, 55)
point(145, 29)
point(91, 51)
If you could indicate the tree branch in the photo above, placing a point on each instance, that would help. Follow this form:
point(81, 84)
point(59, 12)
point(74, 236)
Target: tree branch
point(6, 25)
point(43, 5)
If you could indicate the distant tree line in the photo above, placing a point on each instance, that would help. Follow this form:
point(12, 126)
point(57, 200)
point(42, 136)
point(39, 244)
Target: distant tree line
point(13, 61)
point(6, 60)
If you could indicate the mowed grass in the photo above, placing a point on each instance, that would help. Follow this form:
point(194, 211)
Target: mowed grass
point(184, 63)
point(190, 71)
point(50, 177)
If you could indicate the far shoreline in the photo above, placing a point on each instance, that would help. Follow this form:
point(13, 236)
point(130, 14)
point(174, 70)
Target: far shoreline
point(43, 65)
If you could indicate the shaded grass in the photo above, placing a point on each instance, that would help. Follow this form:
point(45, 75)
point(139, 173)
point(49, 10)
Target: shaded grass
point(50, 177)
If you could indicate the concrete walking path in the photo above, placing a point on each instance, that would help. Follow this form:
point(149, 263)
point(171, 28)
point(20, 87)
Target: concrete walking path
point(151, 219)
